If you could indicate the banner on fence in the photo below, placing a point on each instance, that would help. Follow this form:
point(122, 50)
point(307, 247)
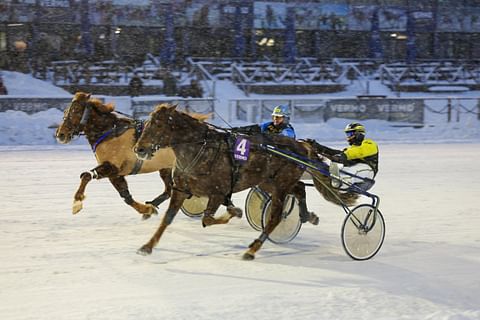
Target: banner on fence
point(309, 111)
point(314, 110)
point(33, 105)
point(396, 110)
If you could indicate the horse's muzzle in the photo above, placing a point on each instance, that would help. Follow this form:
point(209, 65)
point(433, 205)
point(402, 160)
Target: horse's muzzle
point(63, 138)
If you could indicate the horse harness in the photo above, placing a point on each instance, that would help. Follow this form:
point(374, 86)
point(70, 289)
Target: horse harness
point(235, 172)
point(117, 131)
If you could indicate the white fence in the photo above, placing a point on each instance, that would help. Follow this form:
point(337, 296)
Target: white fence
point(405, 110)
point(33, 105)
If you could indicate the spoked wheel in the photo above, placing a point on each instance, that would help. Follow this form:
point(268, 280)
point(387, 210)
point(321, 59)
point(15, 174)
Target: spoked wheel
point(254, 205)
point(290, 224)
point(194, 206)
point(363, 232)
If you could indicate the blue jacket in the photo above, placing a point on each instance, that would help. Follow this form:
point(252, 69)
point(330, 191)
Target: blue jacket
point(283, 129)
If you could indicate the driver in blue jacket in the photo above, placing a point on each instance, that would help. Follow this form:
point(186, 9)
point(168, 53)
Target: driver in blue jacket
point(280, 124)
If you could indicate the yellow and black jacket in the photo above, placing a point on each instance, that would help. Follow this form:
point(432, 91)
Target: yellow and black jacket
point(365, 152)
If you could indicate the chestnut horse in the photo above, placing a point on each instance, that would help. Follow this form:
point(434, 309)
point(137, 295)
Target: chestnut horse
point(112, 136)
point(206, 167)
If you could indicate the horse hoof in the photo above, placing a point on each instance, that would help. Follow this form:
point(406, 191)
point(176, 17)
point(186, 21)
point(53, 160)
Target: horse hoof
point(248, 256)
point(313, 219)
point(208, 221)
point(144, 251)
point(146, 216)
point(152, 210)
point(77, 206)
point(236, 212)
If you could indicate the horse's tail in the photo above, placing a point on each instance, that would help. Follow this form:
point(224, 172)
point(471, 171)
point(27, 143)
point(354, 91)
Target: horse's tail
point(322, 183)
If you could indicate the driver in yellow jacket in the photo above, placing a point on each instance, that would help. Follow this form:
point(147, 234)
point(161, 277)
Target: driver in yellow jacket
point(359, 159)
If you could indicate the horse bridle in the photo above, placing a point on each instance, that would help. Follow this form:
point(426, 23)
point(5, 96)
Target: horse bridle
point(78, 131)
point(154, 147)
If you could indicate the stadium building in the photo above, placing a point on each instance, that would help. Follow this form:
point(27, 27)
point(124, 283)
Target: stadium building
point(41, 31)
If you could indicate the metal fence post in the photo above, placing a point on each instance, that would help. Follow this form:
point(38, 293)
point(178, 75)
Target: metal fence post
point(478, 109)
point(449, 109)
point(458, 110)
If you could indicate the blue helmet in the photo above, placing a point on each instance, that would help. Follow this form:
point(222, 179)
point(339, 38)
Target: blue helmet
point(281, 111)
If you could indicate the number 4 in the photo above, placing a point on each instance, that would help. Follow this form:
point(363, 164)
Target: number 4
point(242, 147)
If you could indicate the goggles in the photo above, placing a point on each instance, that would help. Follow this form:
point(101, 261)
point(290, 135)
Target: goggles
point(277, 117)
point(350, 133)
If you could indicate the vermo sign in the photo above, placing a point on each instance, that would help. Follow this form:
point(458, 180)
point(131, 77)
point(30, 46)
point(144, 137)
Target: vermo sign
point(402, 110)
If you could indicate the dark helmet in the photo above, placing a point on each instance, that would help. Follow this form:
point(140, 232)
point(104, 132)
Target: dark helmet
point(355, 133)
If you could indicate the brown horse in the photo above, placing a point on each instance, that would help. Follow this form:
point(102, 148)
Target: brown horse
point(206, 167)
point(112, 136)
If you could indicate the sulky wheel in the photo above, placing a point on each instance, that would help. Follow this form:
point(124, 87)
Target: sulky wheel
point(363, 232)
point(290, 224)
point(254, 205)
point(194, 206)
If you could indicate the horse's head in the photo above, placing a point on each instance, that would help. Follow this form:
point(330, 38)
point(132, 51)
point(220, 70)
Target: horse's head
point(158, 131)
point(79, 114)
point(73, 118)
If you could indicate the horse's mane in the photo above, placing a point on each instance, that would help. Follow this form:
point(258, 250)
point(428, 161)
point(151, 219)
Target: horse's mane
point(198, 116)
point(94, 102)
point(100, 106)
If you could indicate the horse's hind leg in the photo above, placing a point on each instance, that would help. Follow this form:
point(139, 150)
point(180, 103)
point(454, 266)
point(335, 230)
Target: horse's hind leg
point(275, 218)
point(214, 202)
point(120, 183)
point(175, 204)
point(166, 175)
point(300, 194)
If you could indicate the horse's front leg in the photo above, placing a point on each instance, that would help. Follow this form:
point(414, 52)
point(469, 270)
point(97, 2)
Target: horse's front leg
point(79, 196)
point(120, 183)
point(176, 203)
point(166, 175)
point(275, 218)
point(104, 170)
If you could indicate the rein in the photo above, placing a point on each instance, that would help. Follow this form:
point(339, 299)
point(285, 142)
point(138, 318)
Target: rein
point(195, 160)
point(193, 163)
point(101, 139)
point(138, 126)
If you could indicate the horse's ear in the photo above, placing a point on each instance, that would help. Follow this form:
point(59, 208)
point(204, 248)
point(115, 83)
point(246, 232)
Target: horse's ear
point(174, 107)
point(88, 95)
